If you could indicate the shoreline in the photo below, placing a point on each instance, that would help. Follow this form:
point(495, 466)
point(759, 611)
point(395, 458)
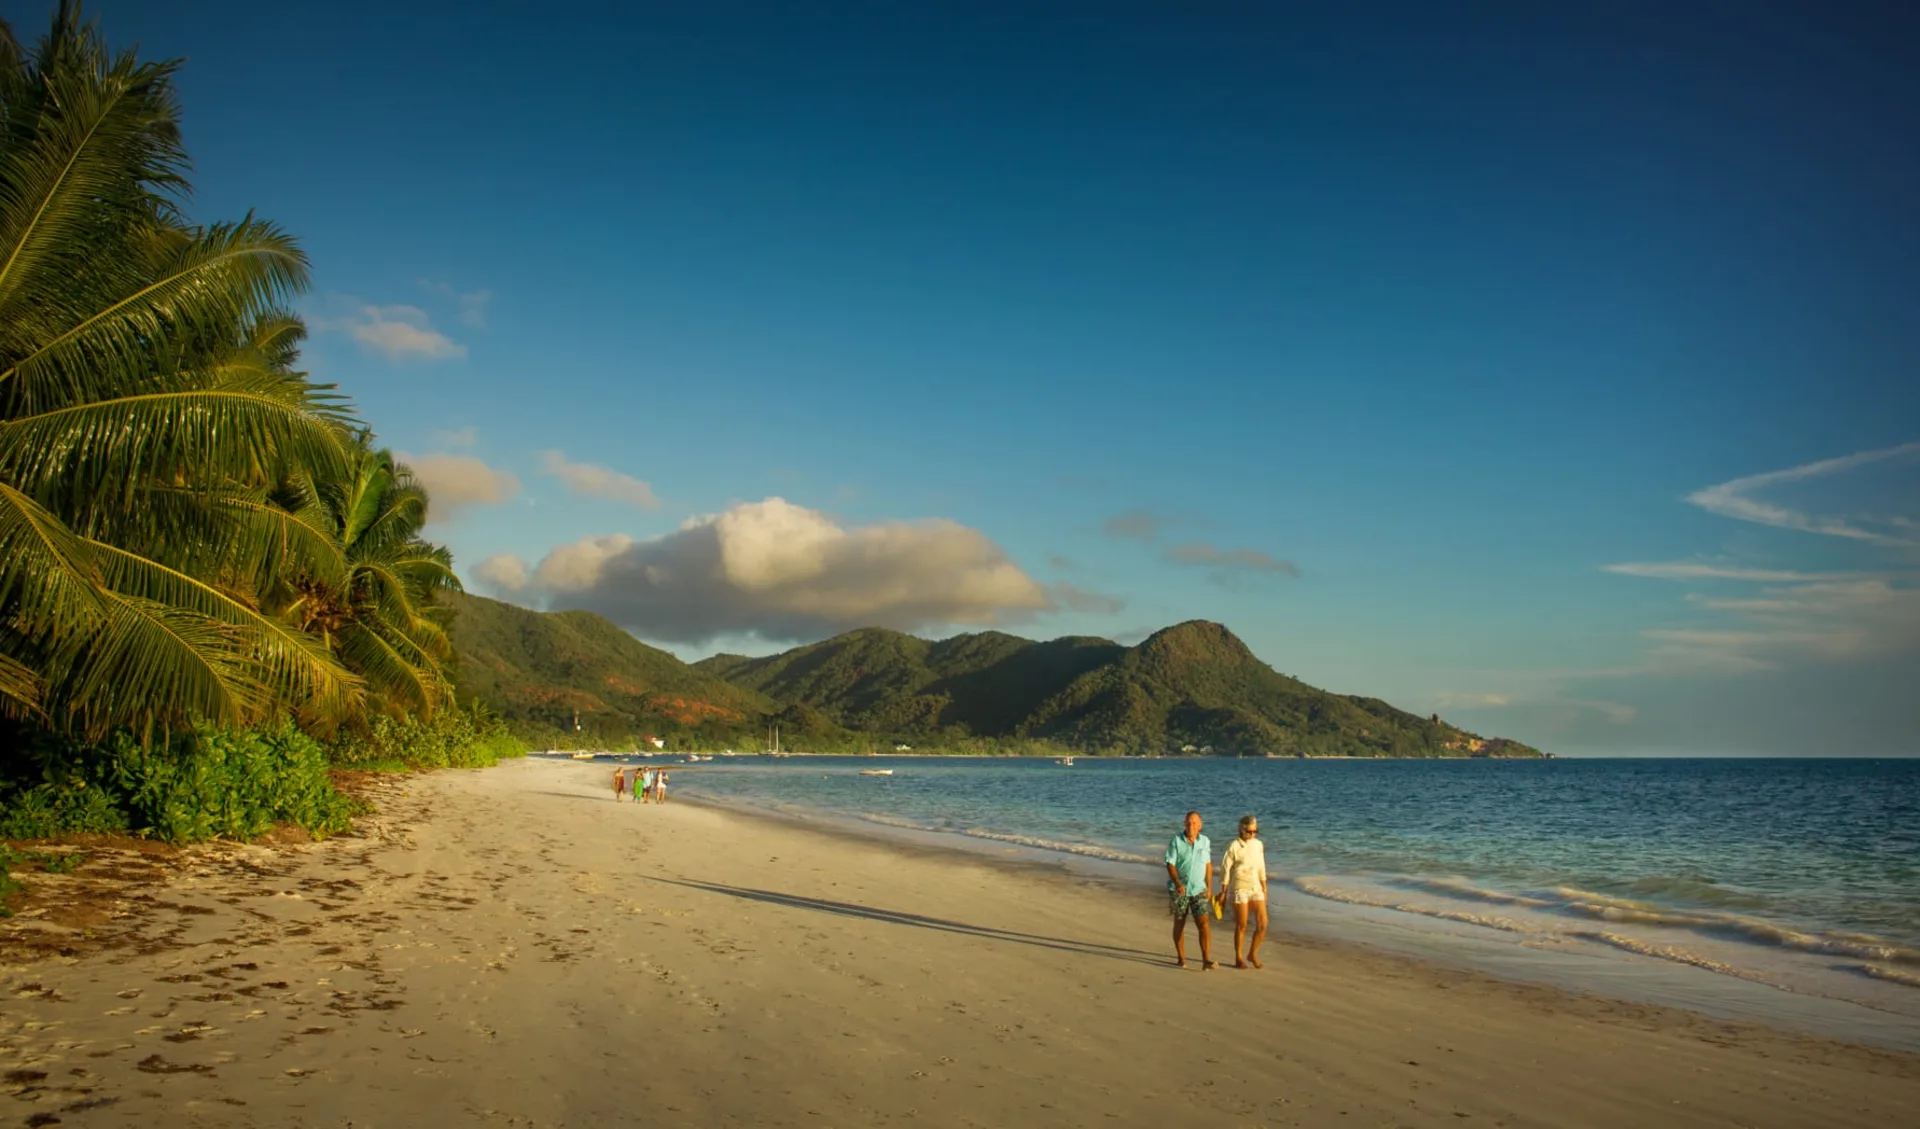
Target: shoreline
point(508, 945)
point(1571, 929)
point(1618, 970)
point(567, 754)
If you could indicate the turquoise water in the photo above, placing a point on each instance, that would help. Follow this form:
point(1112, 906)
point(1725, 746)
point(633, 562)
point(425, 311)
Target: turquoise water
point(1800, 876)
point(1823, 845)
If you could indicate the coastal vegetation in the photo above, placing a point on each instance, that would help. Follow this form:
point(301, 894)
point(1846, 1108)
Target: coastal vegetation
point(199, 784)
point(212, 581)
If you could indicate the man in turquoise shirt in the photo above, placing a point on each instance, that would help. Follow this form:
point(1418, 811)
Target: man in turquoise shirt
point(1190, 889)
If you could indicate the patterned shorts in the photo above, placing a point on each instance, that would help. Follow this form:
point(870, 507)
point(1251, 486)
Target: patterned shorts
point(1181, 905)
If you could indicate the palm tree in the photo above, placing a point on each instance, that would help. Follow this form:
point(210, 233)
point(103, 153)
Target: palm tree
point(372, 600)
point(147, 400)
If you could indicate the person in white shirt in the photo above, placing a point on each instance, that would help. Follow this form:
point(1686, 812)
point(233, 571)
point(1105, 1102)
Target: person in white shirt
point(1243, 881)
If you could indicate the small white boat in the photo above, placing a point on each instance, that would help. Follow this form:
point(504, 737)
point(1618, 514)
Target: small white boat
point(876, 772)
point(1068, 761)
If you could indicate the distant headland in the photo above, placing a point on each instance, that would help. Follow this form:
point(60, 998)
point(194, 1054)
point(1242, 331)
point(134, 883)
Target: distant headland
point(568, 679)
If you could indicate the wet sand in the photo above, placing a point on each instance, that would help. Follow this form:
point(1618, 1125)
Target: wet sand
point(510, 947)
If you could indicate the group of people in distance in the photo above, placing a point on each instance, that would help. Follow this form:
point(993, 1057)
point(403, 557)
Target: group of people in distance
point(1243, 882)
point(649, 784)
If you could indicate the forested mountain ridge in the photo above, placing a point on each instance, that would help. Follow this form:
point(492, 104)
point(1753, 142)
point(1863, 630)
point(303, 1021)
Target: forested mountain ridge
point(1193, 687)
point(1190, 687)
point(537, 668)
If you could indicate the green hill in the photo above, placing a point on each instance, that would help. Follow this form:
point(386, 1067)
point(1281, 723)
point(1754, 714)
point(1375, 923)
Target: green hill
point(888, 683)
point(1192, 685)
point(537, 668)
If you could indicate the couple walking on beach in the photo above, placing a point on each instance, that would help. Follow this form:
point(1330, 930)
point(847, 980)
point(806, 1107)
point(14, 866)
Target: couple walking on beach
point(1243, 881)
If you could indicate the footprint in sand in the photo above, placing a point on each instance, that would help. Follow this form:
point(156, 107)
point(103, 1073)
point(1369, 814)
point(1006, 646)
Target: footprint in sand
point(154, 1064)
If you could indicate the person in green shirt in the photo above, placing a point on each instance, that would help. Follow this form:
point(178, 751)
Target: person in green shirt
point(1190, 889)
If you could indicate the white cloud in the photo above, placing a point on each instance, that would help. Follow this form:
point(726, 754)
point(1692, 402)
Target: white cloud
point(461, 437)
point(598, 481)
point(1700, 570)
point(502, 572)
point(1812, 617)
point(457, 482)
point(399, 333)
point(781, 571)
point(577, 567)
point(1736, 498)
point(1796, 615)
point(1851, 620)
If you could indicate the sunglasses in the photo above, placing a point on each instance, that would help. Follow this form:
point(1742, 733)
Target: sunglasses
point(1249, 831)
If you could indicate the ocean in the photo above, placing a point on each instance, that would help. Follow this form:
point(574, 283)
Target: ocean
point(1786, 891)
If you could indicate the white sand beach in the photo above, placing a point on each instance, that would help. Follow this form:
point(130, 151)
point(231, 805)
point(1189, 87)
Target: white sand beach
point(510, 947)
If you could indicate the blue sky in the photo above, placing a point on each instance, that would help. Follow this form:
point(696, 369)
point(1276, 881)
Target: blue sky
point(1553, 371)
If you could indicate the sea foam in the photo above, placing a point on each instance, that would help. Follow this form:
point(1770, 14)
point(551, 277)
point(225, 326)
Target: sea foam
point(1625, 911)
point(1316, 886)
point(1088, 850)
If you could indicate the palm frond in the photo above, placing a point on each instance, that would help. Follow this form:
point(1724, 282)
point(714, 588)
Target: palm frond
point(213, 282)
point(101, 144)
point(49, 582)
point(150, 662)
point(20, 689)
point(108, 448)
point(360, 494)
point(282, 541)
point(400, 669)
point(297, 667)
point(427, 568)
point(276, 336)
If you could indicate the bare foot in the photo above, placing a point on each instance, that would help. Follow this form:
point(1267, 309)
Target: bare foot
point(1256, 962)
point(1209, 965)
point(1180, 962)
point(1241, 964)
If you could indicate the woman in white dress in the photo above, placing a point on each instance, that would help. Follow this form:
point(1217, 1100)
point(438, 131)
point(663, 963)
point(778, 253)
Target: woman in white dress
point(1243, 881)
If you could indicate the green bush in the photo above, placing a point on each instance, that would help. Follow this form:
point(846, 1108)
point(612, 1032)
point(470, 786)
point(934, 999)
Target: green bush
point(224, 785)
point(74, 808)
point(8, 857)
point(206, 784)
point(471, 738)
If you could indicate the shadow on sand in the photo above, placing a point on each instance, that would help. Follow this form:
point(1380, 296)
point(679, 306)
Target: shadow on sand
point(896, 917)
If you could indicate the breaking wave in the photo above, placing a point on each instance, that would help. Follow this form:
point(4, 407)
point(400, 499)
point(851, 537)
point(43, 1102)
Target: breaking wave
point(1087, 850)
point(894, 821)
point(1315, 886)
point(1892, 975)
point(1673, 953)
point(1461, 888)
point(1627, 912)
